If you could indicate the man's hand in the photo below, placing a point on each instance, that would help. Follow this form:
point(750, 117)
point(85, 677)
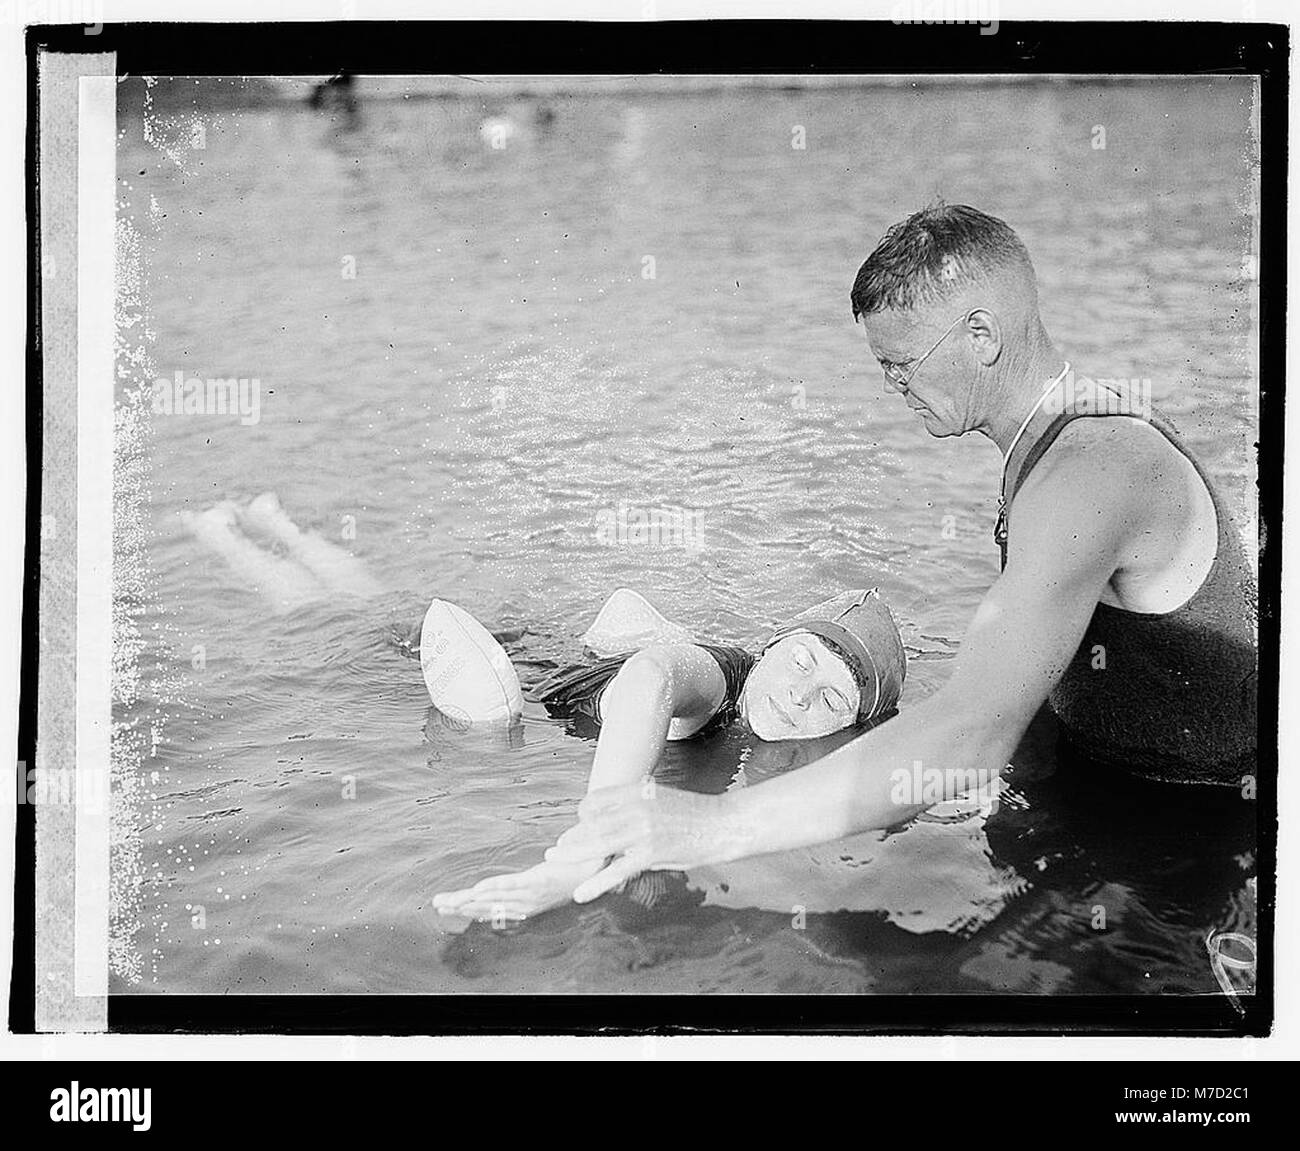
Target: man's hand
point(645, 828)
point(517, 895)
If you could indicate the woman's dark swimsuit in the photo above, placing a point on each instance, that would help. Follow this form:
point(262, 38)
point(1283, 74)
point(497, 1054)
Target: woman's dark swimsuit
point(576, 691)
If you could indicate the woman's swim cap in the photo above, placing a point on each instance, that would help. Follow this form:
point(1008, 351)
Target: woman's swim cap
point(859, 628)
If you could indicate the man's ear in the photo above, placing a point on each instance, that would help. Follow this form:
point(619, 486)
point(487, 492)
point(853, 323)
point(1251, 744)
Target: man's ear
point(985, 334)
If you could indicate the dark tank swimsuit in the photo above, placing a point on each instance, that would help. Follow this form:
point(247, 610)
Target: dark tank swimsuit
point(576, 691)
point(1176, 698)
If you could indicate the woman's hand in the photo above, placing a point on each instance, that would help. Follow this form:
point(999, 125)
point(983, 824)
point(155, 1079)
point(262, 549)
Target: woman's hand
point(646, 828)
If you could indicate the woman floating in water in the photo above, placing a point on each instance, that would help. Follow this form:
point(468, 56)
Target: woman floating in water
point(836, 665)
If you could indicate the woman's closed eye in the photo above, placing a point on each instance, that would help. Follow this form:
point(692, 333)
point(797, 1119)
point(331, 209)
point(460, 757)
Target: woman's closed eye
point(835, 700)
point(802, 659)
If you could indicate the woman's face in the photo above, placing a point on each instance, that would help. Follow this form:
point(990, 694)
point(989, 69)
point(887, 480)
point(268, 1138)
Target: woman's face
point(800, 689)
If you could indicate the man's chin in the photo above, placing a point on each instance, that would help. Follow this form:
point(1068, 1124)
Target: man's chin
point(934, 426)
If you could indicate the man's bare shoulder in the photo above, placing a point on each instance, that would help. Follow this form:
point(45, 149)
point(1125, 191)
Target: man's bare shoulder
point(1117, 484)
point(1121, 458)
point(1097, 491)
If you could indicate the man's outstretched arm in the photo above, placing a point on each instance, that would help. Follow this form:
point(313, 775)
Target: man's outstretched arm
point(1073, 525)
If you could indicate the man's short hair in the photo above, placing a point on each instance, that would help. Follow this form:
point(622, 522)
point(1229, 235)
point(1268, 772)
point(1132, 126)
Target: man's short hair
point(933, 254)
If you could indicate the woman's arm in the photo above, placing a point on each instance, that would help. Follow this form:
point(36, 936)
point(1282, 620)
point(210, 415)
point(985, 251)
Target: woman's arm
point(657, 685)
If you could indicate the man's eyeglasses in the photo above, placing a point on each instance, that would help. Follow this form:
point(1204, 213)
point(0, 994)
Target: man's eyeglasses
point(900, 375)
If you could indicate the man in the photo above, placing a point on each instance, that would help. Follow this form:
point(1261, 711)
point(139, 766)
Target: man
point(1125, 596)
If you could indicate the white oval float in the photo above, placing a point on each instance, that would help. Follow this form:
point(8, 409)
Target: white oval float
point(629, 622)
point(468, 675)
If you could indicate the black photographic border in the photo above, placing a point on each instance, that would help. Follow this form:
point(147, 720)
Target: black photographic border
point(1084, 48)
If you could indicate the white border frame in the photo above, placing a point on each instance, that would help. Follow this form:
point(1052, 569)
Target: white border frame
point(1284, 1044)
